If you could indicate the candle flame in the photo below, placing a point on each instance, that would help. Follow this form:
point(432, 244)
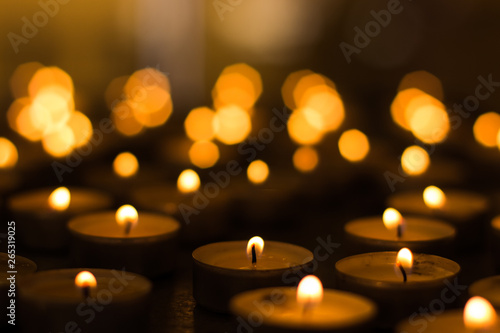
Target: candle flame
point(434, 197)
point(309, 291)
point(127, 216)
point(258, 242)
point(188, 181)
point(85, 279)
point(257, 172)
point(59, 199)
point(404, 260)
point(125, 165)
point(479, 314)
point(392, 218)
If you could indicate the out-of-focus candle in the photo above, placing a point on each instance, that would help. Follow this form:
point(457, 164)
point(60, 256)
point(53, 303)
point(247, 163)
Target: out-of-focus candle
point(144, 243)
point(41, 215)
point(96, 300)
point(378, 276)
point(477, 316)
point(222, 270)
point(306, 308)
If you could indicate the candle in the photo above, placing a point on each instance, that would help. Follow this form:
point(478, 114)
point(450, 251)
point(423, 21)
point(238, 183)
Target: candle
point(95, 300)
point(201, 209)
point(303, 309)
point(41, 215)
point(144, 243)
point(224, 269)
point(465, 210)
point(392, 232)
point(379, 276)
point(12, 267)
point(488, 288)
point(477, 316)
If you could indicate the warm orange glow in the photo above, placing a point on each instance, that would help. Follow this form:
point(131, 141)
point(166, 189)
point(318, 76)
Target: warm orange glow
point(405, 259)
point(50, 111)
point(305, 126)
point(238, 84)
point(498, 140)
point(114, 90)
point(257, 172)
point(232, 124)
point(14, 111)
point(407, 102)
point(354, 145)
point(392, 218)
point(199, 124)
point(495, 222)
point(8, 154)
point(59, 199)
point(306, 82)
point(423, 80)
point(124, 120)
point(24, 124)
point(21, 77)
point(59, 143)
point(415, 160)
point(204, 154)
point(85, 279)
point(53, 79)
point(305, 159)
point(327, 102)
point(287, 90)
point(309, 291)
point(258, 242)
point(125, 165)
point(486, 129)
point(434, 197)
point(188, 181)
point(430, 123)
point(127, 216)
point(479, 314)
point(81, 127)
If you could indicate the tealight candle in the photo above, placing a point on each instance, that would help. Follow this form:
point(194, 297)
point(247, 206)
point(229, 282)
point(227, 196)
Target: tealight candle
point(222, 270)
point(95, 300)
point(392, 232)
point(379, 276)
point(144, 243)
point(12, 267)
point(303, 309)
point(488, 288)
point(465, 210)
point(41, 215)
point(477, 316)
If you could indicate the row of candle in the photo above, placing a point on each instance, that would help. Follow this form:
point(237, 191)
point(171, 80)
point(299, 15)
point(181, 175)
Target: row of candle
point(210, 261)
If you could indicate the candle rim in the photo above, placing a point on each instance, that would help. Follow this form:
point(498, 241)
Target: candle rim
point(331, 296)
point(478, 288)
point(198, 257)
point(339, 270)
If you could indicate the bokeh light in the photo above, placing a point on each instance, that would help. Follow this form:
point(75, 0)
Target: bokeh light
point(188, 181)
point(21, 77)
point(354, 145)
point(430, 124)
point(305, 159)
point(232, 124)
point(125, 165)
point(305, 126)
point(8, 154)
point(257, 172)
point(204, 154)
point(486, 129)
point(199, 124)
point(423, 80)
point(415, 160)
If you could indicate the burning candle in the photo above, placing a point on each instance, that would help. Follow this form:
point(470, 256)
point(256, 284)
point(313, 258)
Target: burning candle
point(306, 308)
point(398, 282)
point(392, 232)
point(144, 243)
point(41, 215)
point(224, 269)
point(94, 300)
point(466, 211)
point(477, 316)
point(488, 288)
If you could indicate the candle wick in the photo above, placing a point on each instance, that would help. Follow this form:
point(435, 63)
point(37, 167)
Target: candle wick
point(86, 292)
point(401, 268)
point(128, 226)
point(254, 256)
